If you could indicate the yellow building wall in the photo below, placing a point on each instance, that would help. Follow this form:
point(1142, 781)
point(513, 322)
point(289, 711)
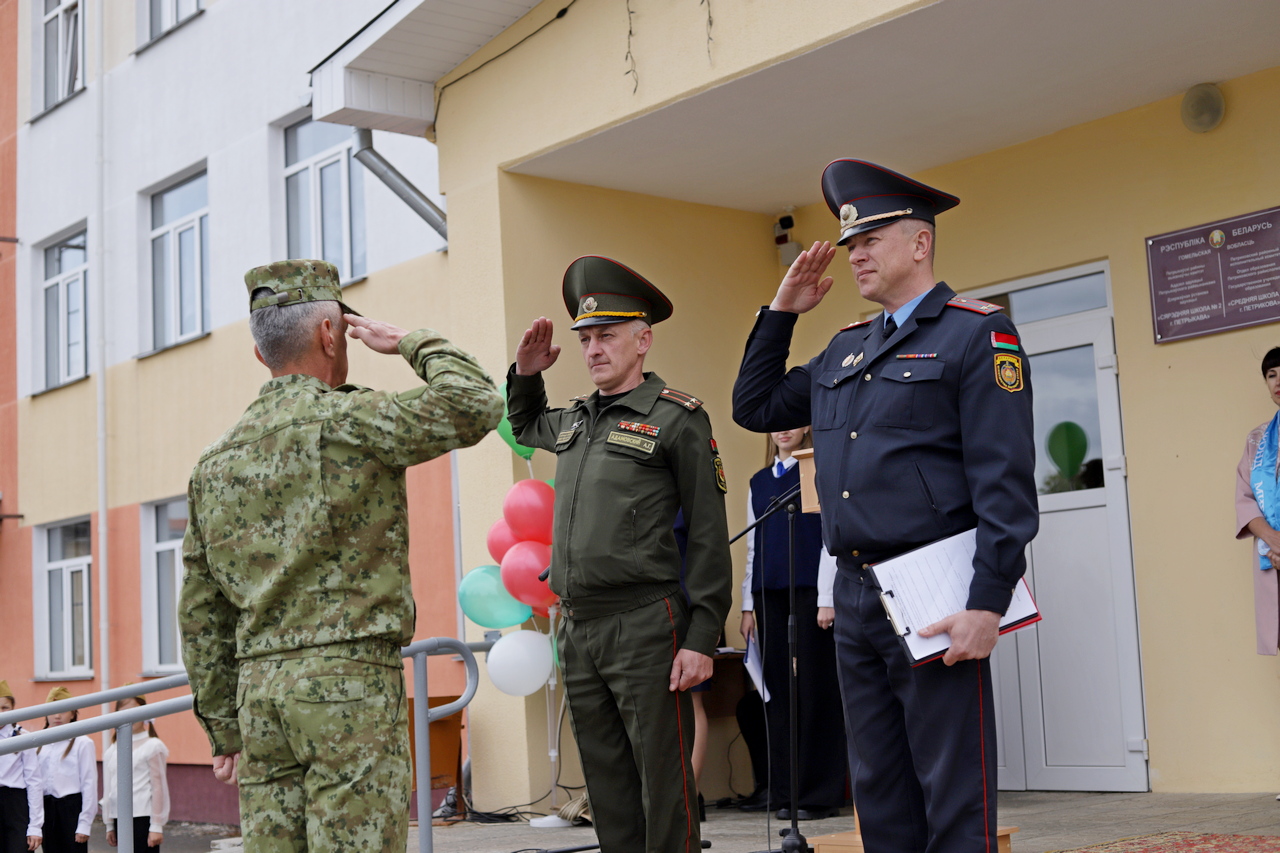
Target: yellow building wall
point(1091, 192)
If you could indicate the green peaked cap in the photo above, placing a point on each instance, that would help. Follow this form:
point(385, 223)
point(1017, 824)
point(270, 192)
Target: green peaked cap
point(296, 281)
point(599, 290)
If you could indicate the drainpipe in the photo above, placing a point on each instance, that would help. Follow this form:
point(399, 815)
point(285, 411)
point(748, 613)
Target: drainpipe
point(398, 183)
point(99, 267)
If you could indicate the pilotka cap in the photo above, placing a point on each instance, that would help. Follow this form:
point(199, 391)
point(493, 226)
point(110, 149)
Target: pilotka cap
point(295, 281)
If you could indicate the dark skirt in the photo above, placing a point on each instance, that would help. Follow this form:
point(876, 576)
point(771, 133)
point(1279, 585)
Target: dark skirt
point(61, 815)
point(13, 820)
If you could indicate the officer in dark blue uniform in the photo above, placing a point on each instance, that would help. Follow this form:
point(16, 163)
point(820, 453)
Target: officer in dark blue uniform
point(922, 429)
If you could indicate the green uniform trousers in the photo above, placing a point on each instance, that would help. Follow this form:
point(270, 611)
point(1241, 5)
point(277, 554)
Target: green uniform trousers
point(325, 764)
point(635, 736)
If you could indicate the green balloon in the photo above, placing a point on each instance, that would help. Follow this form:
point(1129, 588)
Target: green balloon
point(486, 601)
point(504, 429)
point(1067, 445)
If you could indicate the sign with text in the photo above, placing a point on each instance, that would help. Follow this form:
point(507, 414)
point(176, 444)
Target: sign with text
point(1215, 277)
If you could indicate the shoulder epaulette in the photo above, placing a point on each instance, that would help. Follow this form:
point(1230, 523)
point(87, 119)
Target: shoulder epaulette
point(581, 399)
point(856, 325)
point(686, 400)
point(974, 305)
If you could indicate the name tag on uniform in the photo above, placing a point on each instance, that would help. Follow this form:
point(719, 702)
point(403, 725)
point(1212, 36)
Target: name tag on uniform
point(567, 435)
point(635, 442)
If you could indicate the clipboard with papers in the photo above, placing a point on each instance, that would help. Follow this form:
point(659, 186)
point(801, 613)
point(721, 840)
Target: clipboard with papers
point(931, 583)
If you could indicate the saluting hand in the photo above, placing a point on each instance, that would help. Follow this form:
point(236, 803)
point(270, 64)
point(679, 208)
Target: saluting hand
point(973, 634)
point(804, 285)
point(377, 335)
point(536, 352)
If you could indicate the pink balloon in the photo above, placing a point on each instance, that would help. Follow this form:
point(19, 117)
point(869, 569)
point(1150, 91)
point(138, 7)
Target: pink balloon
point(500, 539)
point(521, 565)
point(529, 509)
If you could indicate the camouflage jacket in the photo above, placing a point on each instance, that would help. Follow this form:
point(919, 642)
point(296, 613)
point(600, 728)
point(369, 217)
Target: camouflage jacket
point(297, 539)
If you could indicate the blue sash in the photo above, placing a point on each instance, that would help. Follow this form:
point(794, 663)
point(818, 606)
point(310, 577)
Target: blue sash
point(1263, 479)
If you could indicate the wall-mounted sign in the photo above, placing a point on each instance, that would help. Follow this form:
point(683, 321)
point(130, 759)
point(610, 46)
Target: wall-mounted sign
point(1215, 277)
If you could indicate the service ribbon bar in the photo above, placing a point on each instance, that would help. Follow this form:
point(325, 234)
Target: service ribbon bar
point(644, 429)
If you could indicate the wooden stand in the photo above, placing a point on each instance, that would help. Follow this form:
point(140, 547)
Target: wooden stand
point(851, 842)
point(808, 487)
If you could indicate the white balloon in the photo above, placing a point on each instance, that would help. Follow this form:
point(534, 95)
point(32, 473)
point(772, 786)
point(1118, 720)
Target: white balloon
point(520, 662)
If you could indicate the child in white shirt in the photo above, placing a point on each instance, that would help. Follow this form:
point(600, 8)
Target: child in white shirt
point(69, 772)
point(21, 794)
point(150, 785)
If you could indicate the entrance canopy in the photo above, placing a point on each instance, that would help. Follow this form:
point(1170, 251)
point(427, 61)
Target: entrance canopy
point(950, 80)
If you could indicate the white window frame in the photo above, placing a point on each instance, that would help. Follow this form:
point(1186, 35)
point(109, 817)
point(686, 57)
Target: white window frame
point(196, 222)
point(342, 153)
point(151, 551)
point(67, 369)
point(44, 569)
point(69, 15)
point(170, 15)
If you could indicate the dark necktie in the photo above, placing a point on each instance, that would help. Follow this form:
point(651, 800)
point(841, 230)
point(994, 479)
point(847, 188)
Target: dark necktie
point(890, 326)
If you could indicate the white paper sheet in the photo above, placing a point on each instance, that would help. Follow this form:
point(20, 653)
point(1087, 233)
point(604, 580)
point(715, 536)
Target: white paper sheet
point(755, 667)
point(930, 584)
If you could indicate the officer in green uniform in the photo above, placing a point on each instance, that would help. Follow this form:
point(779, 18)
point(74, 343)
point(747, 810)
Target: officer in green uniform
point(296, 596)
point(628, 457)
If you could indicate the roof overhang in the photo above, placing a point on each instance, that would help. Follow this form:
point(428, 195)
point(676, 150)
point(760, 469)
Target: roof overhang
point(384, 76)
point(949, 81)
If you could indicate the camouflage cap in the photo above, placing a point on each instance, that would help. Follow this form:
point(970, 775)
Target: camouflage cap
point(5, 692)
point(294, 282)
point(57, 694)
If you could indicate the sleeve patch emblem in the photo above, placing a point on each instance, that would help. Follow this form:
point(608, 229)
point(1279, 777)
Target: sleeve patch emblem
point(1009, 372)
point(1002, 341)
point(720, 480)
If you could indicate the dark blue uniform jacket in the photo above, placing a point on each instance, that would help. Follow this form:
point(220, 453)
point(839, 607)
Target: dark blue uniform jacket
point(908, 450)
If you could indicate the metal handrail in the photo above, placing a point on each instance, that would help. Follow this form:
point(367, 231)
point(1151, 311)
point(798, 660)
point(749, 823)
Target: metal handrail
point(123, 721)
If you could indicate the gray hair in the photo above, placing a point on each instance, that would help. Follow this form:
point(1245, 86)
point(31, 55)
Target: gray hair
point(283, 333)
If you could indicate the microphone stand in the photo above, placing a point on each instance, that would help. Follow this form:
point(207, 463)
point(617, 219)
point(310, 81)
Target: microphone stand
point(792, 840)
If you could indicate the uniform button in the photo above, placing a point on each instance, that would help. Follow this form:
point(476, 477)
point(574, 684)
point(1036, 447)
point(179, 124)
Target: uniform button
point(866, 565)
point(844, 494)
point(855, 553)
point(905, 375)
point(866, 377)
point(853, 434)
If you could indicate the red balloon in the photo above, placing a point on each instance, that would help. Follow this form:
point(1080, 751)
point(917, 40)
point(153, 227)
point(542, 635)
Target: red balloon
point(500, 539)
point(529, 509)
point(541, 611)
point(521, 565)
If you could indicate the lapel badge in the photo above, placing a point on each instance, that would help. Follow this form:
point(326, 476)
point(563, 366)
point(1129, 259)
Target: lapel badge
point(848, 360)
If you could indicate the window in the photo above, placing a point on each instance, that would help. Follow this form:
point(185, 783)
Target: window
point(62, 635)
point(65, 327)
point(167, 14)
point(164, 526)
point(324, 196)
point(179, 262)
point(63, 50)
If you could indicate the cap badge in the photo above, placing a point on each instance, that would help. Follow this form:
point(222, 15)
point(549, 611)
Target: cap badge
point(848, 214)
point(589, 304)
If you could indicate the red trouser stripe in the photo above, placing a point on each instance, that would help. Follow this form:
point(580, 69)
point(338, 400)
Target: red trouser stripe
point(688, 814)
point(982, 743)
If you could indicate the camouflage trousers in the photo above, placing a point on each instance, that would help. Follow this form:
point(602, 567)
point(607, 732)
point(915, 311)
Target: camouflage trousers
point(325, 764)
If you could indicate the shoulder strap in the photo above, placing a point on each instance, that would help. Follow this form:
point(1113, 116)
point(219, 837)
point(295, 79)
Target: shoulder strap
point(856, 325)
point(976, 305)
point(687, 400)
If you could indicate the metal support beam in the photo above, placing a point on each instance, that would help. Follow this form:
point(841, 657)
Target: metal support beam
point(398, 183)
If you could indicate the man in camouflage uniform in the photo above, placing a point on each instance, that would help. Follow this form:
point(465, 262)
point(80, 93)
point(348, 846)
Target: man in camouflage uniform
point(629, 457)
point(296, 598)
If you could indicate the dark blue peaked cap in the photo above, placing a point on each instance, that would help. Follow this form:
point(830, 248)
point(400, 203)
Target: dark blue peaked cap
point(866, 196)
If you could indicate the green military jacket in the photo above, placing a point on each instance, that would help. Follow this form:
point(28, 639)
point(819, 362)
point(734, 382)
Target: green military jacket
point(621, 476)
point(297, 538)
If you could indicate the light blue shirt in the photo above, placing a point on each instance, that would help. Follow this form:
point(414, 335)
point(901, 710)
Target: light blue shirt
point(904, 313)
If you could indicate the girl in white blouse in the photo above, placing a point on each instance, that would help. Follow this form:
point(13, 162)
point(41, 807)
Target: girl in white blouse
point(150, 785)
point(21, 802)
point(69, 771)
